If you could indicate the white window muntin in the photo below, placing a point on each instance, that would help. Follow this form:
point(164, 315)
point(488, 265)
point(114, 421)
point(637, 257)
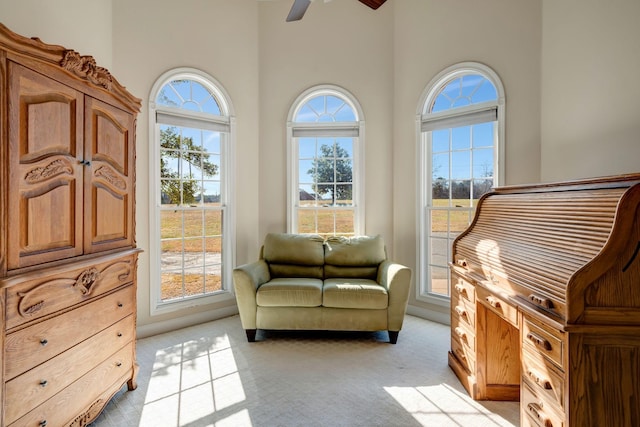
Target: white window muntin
point(426, 123)
point(224, 124)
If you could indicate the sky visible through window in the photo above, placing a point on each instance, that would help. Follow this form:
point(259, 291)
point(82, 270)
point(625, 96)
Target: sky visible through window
point(463, 154)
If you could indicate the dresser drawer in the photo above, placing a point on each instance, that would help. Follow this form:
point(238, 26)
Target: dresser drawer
point(56, 289)
point(464, 310)
point(544, 340)
point(544, 378)
point(463, 288)
point(84, 399)
point(498, 305)
point(31, 346)
point(30, 389)
point(537, 410)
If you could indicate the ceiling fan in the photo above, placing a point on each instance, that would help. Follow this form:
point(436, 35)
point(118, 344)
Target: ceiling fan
point(300, 7)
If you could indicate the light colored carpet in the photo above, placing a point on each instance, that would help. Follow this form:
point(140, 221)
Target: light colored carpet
point(209, 375)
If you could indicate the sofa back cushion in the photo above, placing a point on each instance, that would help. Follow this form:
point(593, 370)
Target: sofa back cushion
point(353, 257)
point(294, 255)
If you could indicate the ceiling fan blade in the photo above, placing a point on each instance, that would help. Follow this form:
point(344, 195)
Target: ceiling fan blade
point(298, 9)
point(373, 4)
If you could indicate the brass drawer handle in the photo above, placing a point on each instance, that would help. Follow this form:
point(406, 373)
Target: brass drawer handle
point(493, 302)
point(541, 301)
point(539, 341)
point(539, 379)
point(538, 413)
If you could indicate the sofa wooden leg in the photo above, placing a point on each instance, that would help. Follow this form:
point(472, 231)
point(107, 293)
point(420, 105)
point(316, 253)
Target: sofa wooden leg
point(251, 335)
point(393, 336)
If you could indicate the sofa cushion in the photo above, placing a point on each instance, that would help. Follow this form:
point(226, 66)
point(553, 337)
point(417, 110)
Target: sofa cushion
point(354, 293)
point(290, 292)
point(294, 255)
point(353, 256)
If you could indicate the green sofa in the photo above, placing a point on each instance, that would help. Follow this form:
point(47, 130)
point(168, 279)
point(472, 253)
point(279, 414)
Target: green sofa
point(303, 282)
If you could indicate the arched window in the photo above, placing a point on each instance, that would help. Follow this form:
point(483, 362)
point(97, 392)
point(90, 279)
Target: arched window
point(325, 138)
point(460, 135)
point(191, 133)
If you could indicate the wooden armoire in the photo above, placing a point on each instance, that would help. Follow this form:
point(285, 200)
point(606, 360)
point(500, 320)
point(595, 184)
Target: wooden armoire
point(68, 253)
point(545, 304)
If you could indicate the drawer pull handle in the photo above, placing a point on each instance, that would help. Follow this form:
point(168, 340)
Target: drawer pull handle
point(44, 383)
point(43, 423)
point(539, 379)
point(461, 290)
point(460, 354)
point(120, 305)
point(461, 311)
point(44, 342)
point(118, 364)
point(493, 302)
point(539, 341)
point(538, 413)
point(461, 333)
point(119, 334)
point(541, 301)
point(462, 263)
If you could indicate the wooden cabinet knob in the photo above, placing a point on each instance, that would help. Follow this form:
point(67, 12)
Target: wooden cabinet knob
point(539, 379)
point(536, 411)
point(493, 302)
point(461, 311)
point(539, 341)
point(541, 301)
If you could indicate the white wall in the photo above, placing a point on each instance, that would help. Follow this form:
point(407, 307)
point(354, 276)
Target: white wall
point(84, 26)
point(590, 88)
point(342, 43)
point(431, 35)
point(219, 37)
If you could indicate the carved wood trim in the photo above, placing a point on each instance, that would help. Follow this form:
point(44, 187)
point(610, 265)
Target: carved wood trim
point(86, 417)
point(55, 168)
point(84, 283)
point(85, 66)
point(111, 177)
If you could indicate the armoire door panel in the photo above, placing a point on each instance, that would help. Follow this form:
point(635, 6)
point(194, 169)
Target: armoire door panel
point(45, 183)
point(109, 134)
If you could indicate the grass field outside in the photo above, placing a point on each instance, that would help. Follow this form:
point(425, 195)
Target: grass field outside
point(191, 241)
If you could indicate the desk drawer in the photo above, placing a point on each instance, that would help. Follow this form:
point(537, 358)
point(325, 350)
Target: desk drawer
point(35, 344)
point(463, 353)
point(463, 333)
point(464, 310)
point(543, 377)
point(536, 411)
point(498, 305)
point(32, 388)
point(463, 288)
point(539, 338)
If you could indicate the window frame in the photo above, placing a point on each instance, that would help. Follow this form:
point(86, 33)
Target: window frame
point(224, 123)
point(354, 129)
point(456, 117)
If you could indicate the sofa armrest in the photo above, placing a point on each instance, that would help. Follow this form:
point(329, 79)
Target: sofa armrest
point(397, 279)
point(246, 280)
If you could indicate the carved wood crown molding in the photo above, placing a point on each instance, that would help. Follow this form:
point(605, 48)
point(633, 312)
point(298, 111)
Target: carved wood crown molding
point(85, 66)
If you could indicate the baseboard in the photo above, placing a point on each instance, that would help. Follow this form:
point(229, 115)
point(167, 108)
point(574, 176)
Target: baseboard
point(435, 316)
point(185, 321)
